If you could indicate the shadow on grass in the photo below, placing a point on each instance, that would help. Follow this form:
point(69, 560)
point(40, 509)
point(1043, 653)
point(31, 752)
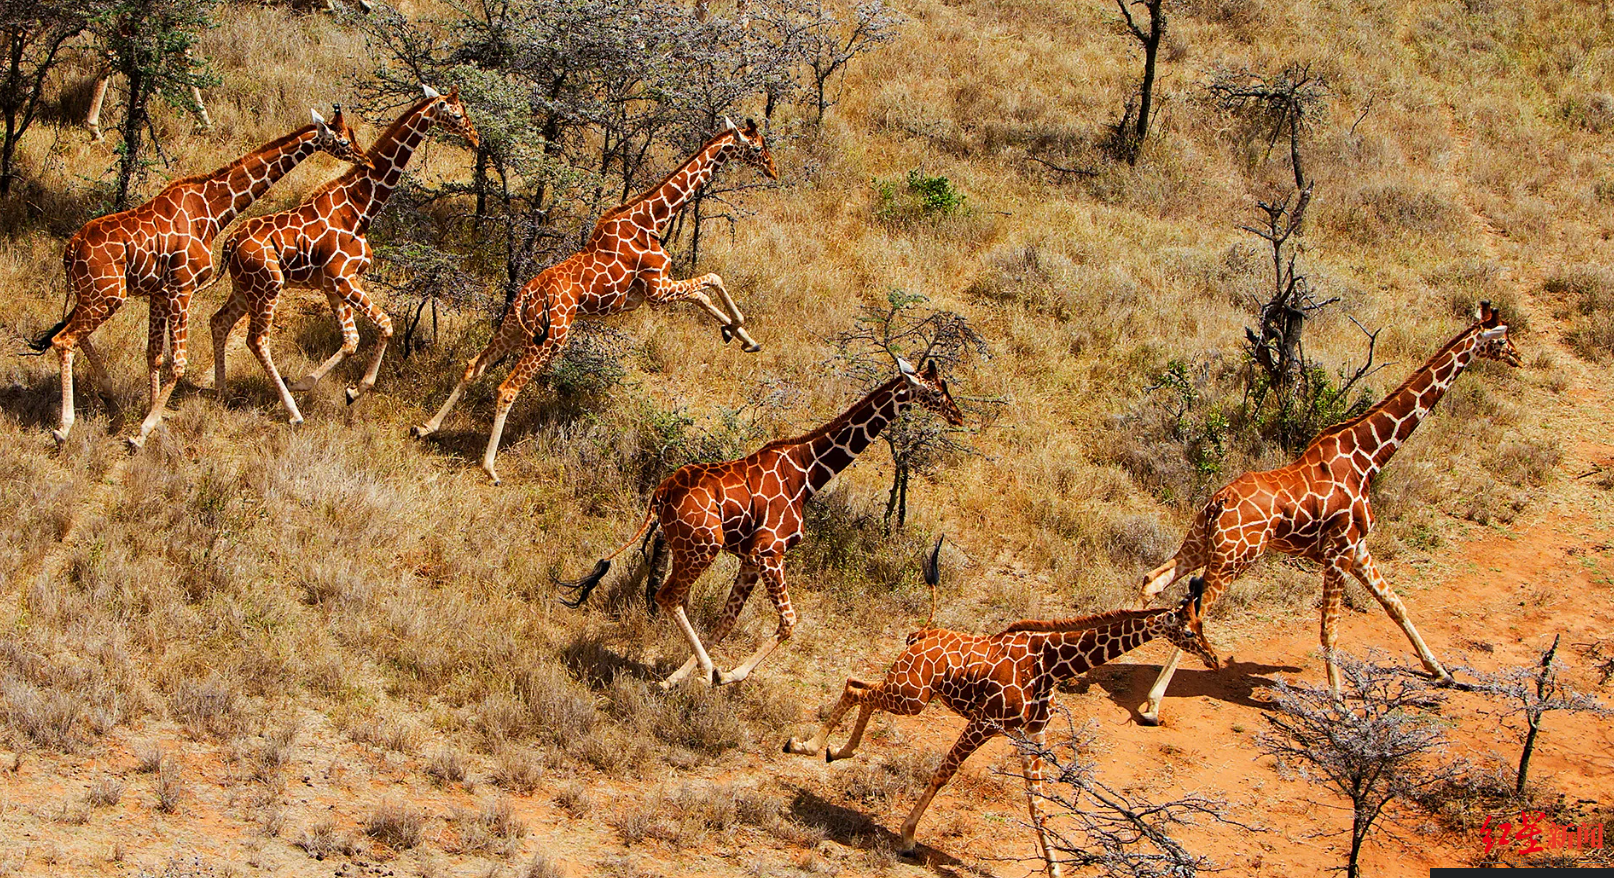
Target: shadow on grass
point(855, 829)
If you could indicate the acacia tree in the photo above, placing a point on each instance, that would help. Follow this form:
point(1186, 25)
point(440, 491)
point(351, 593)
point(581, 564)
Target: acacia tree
point(1532, 693)
point(904, 327)
point(1378, 741)
point(1092, 825)
point(32, 33)
point(151, 43)
point(1131, 132)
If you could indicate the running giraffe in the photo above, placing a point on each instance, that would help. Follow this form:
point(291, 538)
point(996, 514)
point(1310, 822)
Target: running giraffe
point(622, 266)
point(322, 244)
point(1002, 684)
point(753, 508)
point(1318, 507)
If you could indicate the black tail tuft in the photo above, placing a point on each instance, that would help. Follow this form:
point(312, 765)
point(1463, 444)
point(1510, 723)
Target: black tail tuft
point(1196, 590)
point(658, 572)
point(41, 343)
point(933, 563)
point(583, 587)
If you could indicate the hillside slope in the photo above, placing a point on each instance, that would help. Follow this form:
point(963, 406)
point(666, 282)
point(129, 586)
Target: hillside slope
point(267, 639)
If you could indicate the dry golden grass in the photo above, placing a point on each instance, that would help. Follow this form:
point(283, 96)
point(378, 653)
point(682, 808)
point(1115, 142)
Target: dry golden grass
point(237, 571)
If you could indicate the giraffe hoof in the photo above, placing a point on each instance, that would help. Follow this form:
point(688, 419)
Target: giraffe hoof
point(1148, 719)
point(728, 334)
point(752, 348)
point(135, 443)
point(353, 394)
point(60, 437)
point(419, 431)
point(295, 421)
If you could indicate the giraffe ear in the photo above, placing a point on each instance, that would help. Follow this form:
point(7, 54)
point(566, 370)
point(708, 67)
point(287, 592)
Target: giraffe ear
point(429, 91)
point(906, 368)
point(1494, 333)
point(728, 124)
point(319, 121)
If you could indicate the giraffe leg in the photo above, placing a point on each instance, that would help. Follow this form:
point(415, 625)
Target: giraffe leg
point(744, 582)
point(1333, 605)
point(773, 574)
point(1031, 764)
point(500, 345)
point(178, 318)
point(92, 119)
point(107, 294)
point(221, 323)
point(686, 569)
point(975, 734)
point(258, 327)
point(846, 750)
point(1365, 570)
point(660, 291)
point(350, 343)
point(156, 336)
point(356, 298)
point(532, 361)
point(98, 371)
point(1216, 579)
point(852, 695)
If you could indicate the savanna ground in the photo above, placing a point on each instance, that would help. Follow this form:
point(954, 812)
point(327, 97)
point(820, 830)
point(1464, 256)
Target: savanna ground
point(335, 650)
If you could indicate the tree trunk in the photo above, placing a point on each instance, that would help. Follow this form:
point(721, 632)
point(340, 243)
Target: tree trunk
point(1151, 50)
point(134, 121)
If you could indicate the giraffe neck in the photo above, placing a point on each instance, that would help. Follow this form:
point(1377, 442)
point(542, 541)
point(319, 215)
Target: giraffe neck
point(834, 446)
point(1070, 647)
point(1383, 429)
point(234, 187)
point(658, 205)
point(369, 188)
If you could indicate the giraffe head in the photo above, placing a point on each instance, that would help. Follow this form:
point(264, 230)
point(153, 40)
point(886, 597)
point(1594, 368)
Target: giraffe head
point(1493, 342)
point(1185, 627)
point(337, 138)
point(752, 147)
point(449, 113)
point(929, 389)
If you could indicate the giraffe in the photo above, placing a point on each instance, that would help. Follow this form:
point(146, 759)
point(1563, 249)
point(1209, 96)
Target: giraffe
point(321, 244)
point(622, 266)
point(1002, 683)
point(163, 250)
point(752, 508)
point(1318, 507)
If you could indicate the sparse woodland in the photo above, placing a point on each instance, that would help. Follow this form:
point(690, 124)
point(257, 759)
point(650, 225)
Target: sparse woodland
point(336, 649)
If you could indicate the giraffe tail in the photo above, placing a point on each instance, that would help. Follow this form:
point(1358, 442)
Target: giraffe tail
point(932, 578)
point(41, 343)
point(585, 586)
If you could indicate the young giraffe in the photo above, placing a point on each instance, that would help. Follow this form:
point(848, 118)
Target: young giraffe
point(1002, 683)
point(622, 267)
point(321, 244)
point(752, 508)
point(163, 250)
point(1318, 508)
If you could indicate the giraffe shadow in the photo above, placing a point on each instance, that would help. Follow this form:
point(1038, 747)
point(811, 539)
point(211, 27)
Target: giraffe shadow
point(1234, 683)
point(855, 829)
point(37, 405)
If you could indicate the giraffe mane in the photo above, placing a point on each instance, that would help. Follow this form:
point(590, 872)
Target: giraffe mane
point(221, 170)
point(1076, 623)
point(1351, 423)
point(616, 211)
point(834, 424)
